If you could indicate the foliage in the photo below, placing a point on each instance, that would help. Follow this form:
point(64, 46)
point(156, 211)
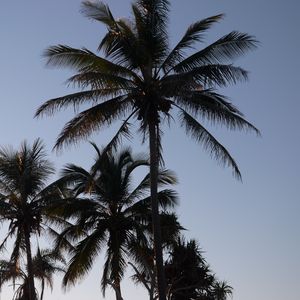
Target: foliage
point(23, 199)
point(106, 211)
point(140, 77)
point(189, 276)
point(44, 267)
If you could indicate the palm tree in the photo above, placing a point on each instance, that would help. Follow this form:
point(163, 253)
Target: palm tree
point(44, 267)
point(139, 77)
point(188, 275)
point(107, 211)
point(221, 289)
point(23, 197)
point(47, 263)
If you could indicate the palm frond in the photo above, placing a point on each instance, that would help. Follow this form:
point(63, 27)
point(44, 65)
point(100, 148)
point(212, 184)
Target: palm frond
point(115, 263)
point(81, 59)
point(11, 232)
point(75, 100)
point(167, 199)
point(123, 131)
point(156, 14)
point(83, 257)
point(215, 108)
point(100, 80)
point(165, 177)
point(204, 76)
point(122, 46)
point(203, 136)
point(120, 41)
point(91, 120)
point(151, 31)
point(193, 34)
point(223, 50)
point(98, 11)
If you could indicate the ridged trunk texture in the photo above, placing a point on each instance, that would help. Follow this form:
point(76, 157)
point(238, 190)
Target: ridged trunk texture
point(156, 228)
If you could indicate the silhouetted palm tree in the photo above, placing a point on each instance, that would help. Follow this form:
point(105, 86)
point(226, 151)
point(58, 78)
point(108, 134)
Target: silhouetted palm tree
point(141, 77)
point(221, 290)
point(44, 267)
point(23, 197)
point(188, 275)
point(107, 213)
point(47, 263)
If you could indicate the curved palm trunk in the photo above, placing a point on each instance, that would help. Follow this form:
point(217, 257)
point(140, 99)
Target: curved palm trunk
point(156, 228)
point(31, 289)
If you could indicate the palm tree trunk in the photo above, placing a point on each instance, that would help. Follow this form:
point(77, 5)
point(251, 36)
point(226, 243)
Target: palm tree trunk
point(156, 228)
point(31, 292)
point(117, 288)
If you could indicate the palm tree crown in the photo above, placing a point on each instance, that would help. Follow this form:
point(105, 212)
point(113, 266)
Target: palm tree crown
point(140, 77)
point(23, 198)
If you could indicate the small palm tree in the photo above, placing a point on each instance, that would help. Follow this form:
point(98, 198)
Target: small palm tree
point(46, 264)
point(221, 290)
point(188, 275)
point(23, 197)
point(140, 77)
point(107, 213)
point(44, 267)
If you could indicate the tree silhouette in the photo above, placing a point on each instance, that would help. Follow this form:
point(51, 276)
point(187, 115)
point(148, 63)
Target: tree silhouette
point(140, 77)
point(108, 212)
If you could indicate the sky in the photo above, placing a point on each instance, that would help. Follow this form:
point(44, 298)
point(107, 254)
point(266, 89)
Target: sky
point(249, 231)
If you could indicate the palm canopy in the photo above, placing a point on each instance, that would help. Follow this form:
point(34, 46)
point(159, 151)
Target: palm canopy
point(23, 193)
point(106, 210)
point(189, 276)
point(23, 198)
point(44, 267)
point(140, 77)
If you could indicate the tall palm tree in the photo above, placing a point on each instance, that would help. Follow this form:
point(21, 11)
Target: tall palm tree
point(44, 267)
point(140, 77)
point(106, 211)
point(23, 197)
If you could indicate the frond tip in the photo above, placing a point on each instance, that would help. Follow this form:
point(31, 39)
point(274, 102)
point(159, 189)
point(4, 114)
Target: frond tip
point(209, 142)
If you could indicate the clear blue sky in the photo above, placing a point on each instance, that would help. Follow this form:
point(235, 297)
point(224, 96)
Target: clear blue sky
point(250, 230)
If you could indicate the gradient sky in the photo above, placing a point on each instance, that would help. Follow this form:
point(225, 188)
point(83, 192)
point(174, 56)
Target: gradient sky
point(249, 231)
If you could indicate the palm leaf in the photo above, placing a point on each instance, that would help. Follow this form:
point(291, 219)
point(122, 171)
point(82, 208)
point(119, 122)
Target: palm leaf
point(226, 48)
point(98, 11)
point(204, 76)
point(91, 120)
point(214, 108)
point(193, 34)
point(84, 60)
point(123, 131)
point(76, 99)
point(100, 80)
point(201, 135)
point(83, 257)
